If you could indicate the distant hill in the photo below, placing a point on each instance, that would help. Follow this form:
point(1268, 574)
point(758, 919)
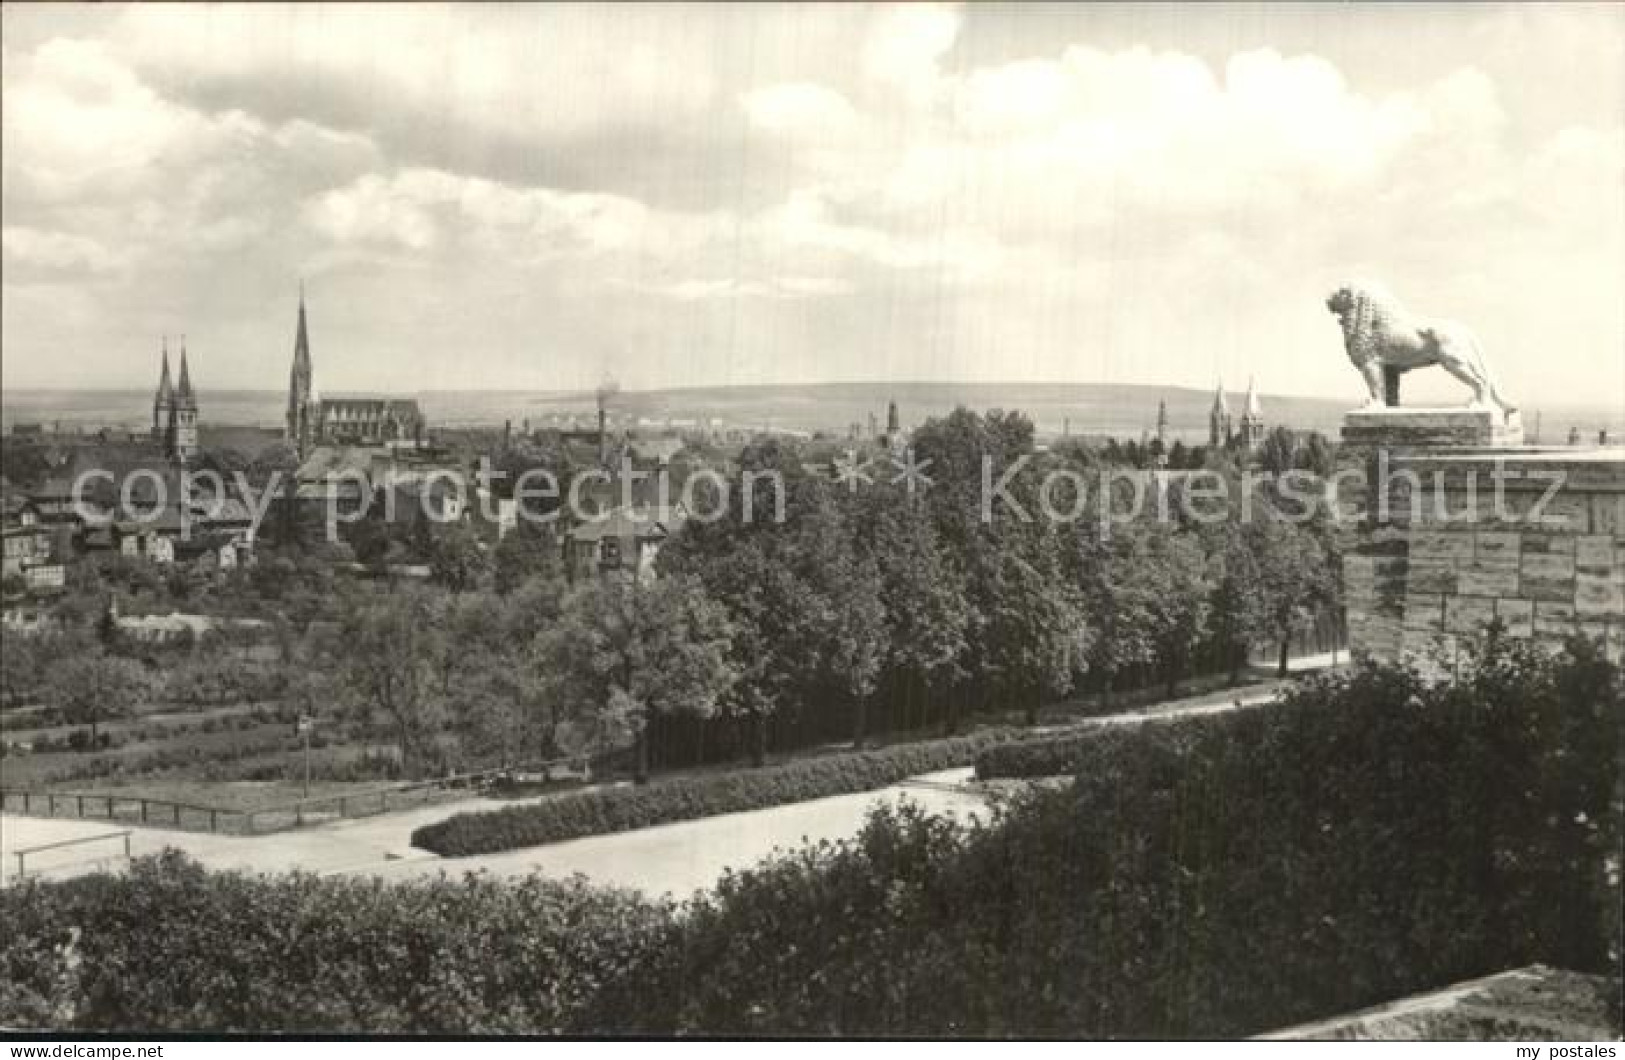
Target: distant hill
point(1088, 408)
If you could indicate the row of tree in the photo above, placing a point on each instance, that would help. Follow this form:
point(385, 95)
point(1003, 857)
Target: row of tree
point(886, 606)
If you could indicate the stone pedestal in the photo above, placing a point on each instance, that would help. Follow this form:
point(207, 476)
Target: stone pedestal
point(1443, 537)
point(1422, 427)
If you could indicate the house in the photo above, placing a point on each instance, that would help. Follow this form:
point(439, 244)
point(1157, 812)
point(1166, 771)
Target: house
point(626, 538)
point(213, 551)
point(33, 549)
point(653, 451)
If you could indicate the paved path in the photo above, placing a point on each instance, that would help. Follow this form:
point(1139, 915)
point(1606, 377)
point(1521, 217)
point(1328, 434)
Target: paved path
point(676, 858)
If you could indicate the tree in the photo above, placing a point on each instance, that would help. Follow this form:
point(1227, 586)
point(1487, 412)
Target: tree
point(388, 672)
point(926, 613)
point(1240, 617)
point(849, 635)
point(1296, 580)
point(456, 558)
point(528, 550)
point(1118, 584)
point(1032, 636)
point(92, 687)
point(625, 652)
point(1278, 453)
point(1181, 588)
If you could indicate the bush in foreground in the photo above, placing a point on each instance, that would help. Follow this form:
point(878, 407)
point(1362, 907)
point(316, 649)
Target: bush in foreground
point(171, 947)
point(1368, 837)
point(687, 798)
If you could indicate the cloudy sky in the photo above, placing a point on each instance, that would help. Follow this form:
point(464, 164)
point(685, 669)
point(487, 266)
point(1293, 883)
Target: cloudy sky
point(533, 197)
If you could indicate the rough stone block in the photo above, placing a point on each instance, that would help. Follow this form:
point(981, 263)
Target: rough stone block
point(1497, 547)
point(1608, 514)
point(1475, 579)
point(1441, 545)
point(1565, 512)
point(1556, 590)
point(1599, 595)
point(1424, 612)
point(1446, 508)
point(1535, 543)
point(1517, 615)
point(1594, 554)
point(1507, 507)
point(1548, 565)
point(1432, 577)
point(1467, 614)
point(1555, 619)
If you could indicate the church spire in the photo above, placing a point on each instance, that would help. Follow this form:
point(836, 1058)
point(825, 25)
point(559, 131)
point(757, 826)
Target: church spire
point(301, 388)
point(301, 340)
point(1218, 419)
point(1253, 408)
point(184, 398)
point(166, 392)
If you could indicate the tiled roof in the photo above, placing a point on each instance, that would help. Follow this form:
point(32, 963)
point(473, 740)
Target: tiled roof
point(649, 523)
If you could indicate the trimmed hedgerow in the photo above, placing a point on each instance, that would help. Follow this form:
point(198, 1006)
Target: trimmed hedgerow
point(1058, 755)
point(688, 798)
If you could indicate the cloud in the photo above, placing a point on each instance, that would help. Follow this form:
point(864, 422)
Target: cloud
point(854, 188)
point(801, 107)
point(35, 251)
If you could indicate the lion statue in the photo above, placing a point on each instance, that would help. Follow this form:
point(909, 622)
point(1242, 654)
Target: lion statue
point(1384, 341)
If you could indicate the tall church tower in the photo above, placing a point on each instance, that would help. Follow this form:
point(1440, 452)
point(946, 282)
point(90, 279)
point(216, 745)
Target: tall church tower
point(163, 404)
point(1218, 419)
point(301, 401)
point(183, 415)
point(1252, 418)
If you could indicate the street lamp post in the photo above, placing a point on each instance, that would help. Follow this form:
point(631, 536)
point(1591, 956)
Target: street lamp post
point(306, 723)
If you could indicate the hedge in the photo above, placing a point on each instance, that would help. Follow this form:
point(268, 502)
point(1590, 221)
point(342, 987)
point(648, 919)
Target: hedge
point(691, 797)
point(1058, 755)
point(1369, 837)
point(170, 947)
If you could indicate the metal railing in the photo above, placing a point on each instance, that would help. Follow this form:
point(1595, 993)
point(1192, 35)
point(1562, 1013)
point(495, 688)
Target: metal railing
point(20, 855)
point(259, 820)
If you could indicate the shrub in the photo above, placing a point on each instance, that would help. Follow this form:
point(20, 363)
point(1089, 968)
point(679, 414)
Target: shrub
point(686, 798)
point(1368, 837)
point(171, 947)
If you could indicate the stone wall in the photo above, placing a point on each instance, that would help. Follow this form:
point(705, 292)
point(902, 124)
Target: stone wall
point(1445, 541)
